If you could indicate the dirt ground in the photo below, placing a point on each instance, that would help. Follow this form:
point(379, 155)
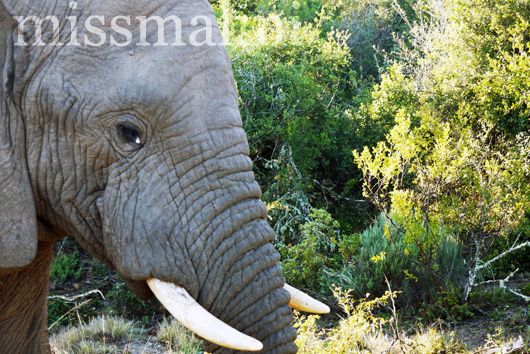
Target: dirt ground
point(506, 334)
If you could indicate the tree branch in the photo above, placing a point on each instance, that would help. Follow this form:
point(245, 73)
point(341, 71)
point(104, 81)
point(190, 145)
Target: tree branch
point(503, 254)
point(76, 297)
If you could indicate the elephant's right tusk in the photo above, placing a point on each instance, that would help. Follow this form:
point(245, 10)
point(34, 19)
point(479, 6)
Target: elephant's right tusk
point(302, 302)
point(195, 318)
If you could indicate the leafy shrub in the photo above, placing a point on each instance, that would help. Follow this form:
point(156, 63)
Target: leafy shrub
point(382, 252)
point(296, 89)
point(290, 207)
point(291, 84)
point(456, 161)
point(373, 26)
point(301, 10)
point(303, 264)
point(394, 94)
point(123, 302)
point(448, 306)
point(349, 246)
point(323, 256)
point(363, 331)
point(487, 299)
point(66, 267)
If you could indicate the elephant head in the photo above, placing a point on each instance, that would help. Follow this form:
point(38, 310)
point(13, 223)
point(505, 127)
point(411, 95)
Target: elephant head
point(138, 152)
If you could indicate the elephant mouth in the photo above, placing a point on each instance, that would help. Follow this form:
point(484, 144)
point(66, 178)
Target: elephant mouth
point(194, 317)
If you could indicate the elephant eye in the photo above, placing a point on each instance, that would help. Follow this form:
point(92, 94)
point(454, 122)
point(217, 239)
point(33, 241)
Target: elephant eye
point(130, 134)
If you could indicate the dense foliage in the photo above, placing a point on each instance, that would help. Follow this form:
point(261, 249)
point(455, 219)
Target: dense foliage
point(432, 98)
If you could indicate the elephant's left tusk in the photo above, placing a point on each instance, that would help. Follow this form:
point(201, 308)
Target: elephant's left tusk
point(195, 318)
point(302, 302)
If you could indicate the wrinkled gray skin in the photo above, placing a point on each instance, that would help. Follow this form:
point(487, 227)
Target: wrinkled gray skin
point(183, 206)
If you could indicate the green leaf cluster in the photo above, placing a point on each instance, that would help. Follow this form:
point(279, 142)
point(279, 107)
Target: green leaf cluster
point(456, 160)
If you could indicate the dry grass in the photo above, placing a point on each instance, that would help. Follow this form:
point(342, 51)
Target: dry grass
point(361, 331)
point(100, 335)
point(177, 339)
point(347, 338)
point(111, 335)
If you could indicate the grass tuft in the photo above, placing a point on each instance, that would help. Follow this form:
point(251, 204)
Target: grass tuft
point(100, 335)
point(178, 339)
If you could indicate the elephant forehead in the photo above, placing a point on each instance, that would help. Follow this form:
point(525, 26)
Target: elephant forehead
point(167, 85)
point(83, 9)
point(171, 71)
point(169, 78)
point(184, 8)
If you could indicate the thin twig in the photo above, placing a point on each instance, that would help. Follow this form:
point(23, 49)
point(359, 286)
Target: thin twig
point(72, 309)
point(394, 312)
point(502, 285)
point(76, 297)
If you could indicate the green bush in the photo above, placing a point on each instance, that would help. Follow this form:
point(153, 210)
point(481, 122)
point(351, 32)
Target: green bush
point(448, 306)
point(455, 161)
point(374, 26)
point(301, 10)
point(303, 264)
point(292, 84)
point(382, 253)
point(363, 262)
point(66, 267)
point(123, 302)
point(298, 94)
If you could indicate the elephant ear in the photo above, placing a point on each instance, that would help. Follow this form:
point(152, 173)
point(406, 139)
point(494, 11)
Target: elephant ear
point(18, 221)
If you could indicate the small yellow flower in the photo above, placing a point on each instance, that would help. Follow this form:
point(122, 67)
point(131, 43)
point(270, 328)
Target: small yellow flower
point(410, 276)
point(379, 258)
point(273, 205)
point(387, 232)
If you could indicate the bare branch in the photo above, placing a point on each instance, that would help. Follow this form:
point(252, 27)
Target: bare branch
point(76, 297)
point(478, 267)
point(503, 254)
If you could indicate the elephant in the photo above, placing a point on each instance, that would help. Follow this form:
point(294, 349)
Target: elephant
point(139, 153)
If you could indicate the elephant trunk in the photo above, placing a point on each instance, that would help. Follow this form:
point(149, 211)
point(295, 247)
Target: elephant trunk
point(240, 276)
point(251, 297)
point(268, 320)
point(241, 289)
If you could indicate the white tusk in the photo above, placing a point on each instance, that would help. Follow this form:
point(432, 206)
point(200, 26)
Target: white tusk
point(195, 318)
point(302, 302)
